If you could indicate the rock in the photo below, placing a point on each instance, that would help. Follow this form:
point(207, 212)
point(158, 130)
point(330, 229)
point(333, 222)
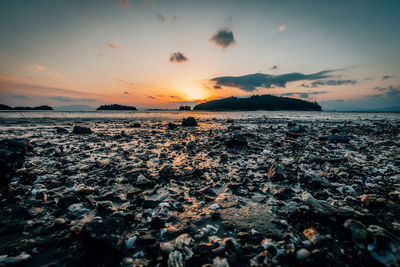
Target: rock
point(190, 121)
point(143, 182)
point(220, 262)
point(64, 202)
point(312, 235)
point(61, 130)
point(297, 129)
point(12, 156)
point(81, 130)
point(238, 140)
point(215, 206)
point(157, 223)
point(166, 173)
point(8, 261)
point(302, 254)
point(359, 233)
point(101, 241)
point(334, 138)
point(372, 200)
point(136, 125)
point(191, 144)
point(172, 126)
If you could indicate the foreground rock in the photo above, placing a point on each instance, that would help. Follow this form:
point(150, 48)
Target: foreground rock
point(81, 130)
point(190, 121)
point(12, 155)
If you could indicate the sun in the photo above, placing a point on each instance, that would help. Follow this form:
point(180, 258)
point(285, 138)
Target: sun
point(196, 93)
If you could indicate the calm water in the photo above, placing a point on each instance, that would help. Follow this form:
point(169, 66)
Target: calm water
point(178, 115)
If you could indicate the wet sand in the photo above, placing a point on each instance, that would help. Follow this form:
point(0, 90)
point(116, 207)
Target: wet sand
point(228, 192)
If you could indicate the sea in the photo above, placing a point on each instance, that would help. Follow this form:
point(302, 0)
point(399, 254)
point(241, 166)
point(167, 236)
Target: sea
point(202, 115)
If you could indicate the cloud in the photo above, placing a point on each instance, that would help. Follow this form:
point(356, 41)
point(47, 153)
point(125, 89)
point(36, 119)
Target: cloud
point(217, 87)
point(71, 99)
point(390, 91)
point(329, 83)
point(178, 57)
point(126, 83)
point(275, 67)
point(38, 67)
point(223, 38)
point(388, 98)
point(304, 94)
point(157, 14)
point(251, 82)
point(151, 97)
point(387, 77)
point(21, 97)
point(126, 93)
point(113, 46)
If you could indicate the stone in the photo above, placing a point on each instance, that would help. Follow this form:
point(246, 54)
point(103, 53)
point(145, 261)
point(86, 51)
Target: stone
point(238, 140)
point(190, 121)
point(81, 130)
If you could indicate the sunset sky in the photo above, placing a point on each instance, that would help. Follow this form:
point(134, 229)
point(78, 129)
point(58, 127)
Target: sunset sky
point(162, 54)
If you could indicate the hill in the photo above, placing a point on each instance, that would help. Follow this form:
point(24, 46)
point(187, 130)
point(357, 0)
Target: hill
point(259, 102)
point(43, 107)
point(116, 107)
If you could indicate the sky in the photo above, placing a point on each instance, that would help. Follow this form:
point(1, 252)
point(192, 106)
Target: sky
point(165, 53)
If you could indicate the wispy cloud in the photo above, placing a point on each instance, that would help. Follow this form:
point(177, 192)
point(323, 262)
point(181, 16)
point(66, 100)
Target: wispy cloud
point(282, 28)
point(387, 77)
point(329, 83)
point(275, 67)
point(68, 99)
point(130, 84)
point(125, 4)
point(151, 97)
point(38, 67)
point(21, 97)
point(303, 94)
point(178, 57)
point(157, 14)
point(251, 82)
point(223, 38)
point(113, 46)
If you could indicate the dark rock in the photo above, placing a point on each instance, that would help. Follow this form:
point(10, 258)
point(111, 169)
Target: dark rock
point(297, 129)
point(61, 130)
point(81, 130)
point(293, 135)
point(172, 126)
point(12, 155)
point(101, 241)
point(136, 125)
point(329, 160)
point(64, 202)
point(166, 173)
point(334, 138)
point(238, 140)
point(190, 121)
point(157, 223)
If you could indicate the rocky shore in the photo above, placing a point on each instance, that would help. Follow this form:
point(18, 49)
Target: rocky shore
point(211, 192)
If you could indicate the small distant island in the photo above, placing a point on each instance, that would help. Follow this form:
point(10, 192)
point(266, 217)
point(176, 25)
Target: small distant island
point(259, 102)
point(185, 108)
point(116, 107)
point(43, 107)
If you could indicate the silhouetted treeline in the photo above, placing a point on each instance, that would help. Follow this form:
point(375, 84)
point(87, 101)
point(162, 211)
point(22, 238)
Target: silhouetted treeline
point(259, 102)
point(43, 107)
point(116, 107)
point(185, 108)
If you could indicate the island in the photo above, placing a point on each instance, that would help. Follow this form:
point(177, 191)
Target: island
point(259, 102)
point(185, 108)
point(43, 107)
point(116, 107)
